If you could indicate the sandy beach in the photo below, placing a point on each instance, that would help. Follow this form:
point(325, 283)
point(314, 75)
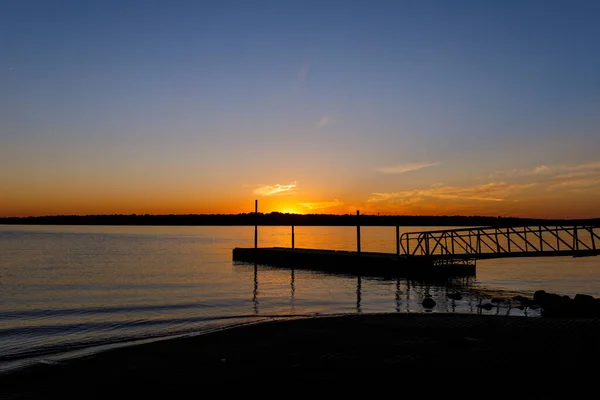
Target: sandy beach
point(322, 348)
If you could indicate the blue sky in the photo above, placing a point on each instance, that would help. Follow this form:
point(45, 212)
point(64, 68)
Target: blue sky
point(136, 98)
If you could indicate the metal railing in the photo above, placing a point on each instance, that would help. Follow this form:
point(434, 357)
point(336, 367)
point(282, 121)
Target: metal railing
point(493, 242)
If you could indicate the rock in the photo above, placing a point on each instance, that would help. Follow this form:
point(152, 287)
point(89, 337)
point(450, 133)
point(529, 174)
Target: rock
point(584, 298)
point(565, 297)
point(497, 300)
point(542, 298)
point(428, 302)
point(455, 296)
point(528, 303)
point(486, 306)
point(519, 298)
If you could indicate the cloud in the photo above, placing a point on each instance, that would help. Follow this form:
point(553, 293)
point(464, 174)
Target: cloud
point(580, 184)
point(270, 190)
point(493, 192)
point(558, 177)
point(323, 121)
point(322, 204)
point(402, 168)
point(542, 170)
point(302, 73)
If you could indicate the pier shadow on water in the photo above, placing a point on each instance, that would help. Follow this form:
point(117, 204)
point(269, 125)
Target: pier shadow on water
point(439, 295)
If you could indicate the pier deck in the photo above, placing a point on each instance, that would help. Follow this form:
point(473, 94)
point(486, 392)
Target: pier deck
point(351, 262)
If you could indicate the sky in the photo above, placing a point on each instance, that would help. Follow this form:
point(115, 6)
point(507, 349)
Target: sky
point(388, 107)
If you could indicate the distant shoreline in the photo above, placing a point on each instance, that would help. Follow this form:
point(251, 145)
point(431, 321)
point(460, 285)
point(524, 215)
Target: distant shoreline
point(279, 219)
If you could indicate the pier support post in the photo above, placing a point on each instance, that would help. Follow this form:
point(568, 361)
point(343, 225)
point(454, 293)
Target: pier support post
point(255, 224)
point(397, 240)
point(358, 232)
point(293, 244)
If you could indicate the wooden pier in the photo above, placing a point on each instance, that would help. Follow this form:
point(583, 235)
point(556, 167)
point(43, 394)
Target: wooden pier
point(354, 263)
point(433, 254)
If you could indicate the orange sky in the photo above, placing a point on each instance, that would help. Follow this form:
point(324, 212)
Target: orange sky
point(563, 191)
point(393, 108)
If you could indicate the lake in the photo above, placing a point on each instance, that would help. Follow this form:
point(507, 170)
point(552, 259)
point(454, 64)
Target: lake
point(72, 289)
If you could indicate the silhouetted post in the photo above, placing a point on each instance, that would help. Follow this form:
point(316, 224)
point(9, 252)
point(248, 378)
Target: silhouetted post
point(397, 240)
point(293, 245)
point(575, 240)
point(357, 232)
point(256, 224)
point(541, 240)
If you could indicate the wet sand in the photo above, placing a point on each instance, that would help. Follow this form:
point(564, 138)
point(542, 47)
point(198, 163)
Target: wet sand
point(323, 350)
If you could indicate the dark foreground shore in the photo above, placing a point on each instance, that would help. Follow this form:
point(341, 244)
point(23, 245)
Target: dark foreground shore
point(325, 350)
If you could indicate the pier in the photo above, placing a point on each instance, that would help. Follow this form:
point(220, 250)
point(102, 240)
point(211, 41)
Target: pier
point(355, 263)
point(434, 254)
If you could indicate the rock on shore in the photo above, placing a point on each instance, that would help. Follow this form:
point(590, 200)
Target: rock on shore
point(554, 305)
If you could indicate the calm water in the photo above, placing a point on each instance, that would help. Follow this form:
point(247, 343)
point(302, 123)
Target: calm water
point(65, 287)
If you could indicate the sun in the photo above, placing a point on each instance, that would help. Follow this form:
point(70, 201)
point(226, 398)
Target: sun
point(288, 210)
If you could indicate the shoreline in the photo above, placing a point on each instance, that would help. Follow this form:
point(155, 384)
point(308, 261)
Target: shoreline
point(331, 344)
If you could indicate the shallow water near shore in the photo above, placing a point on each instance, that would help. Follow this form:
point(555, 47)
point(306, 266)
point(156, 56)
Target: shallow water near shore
point(75, 287)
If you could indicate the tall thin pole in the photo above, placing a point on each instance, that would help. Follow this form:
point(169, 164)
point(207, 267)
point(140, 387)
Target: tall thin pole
point(256, 224)
point(293, 245)
point(397, 240)
point(357, 232)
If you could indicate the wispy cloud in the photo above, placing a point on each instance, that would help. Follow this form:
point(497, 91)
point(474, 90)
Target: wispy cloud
point(494, 191)
point(270, 190)
point(302, 74)
point(558, 177)
point(322, 204)
point(323, 121)
point(402, 168)
point(543, 170)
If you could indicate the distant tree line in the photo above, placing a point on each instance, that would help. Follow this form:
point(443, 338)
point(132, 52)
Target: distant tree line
point(280, 219)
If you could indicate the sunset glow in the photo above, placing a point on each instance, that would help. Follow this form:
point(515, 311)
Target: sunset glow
point(392, 108)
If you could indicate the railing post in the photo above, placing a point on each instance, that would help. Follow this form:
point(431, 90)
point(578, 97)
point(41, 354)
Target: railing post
point(452, 241)
point(470, 242)
point(591, 229)
point(557, 240)
point(255, 224)
point(497, 240)
point(508, 238)
point(526, 242)
point(478, 241)
point(397, 240)
point(426, 237)
point(575, 240)
point(358, 232)
point(541, 241)
point(293, 244)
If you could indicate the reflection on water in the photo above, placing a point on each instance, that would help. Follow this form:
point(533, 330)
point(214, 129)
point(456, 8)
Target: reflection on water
point(486, 301)
point(255, 291)
point(65, 286)
point(358, 289)
point(292, 286)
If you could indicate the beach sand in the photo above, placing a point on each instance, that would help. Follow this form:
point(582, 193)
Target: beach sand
point(323, 349)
